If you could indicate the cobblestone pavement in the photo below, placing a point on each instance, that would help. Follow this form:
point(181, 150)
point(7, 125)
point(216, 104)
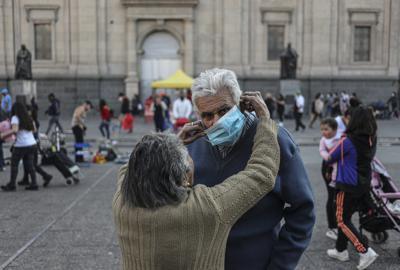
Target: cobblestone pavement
point(71, 227)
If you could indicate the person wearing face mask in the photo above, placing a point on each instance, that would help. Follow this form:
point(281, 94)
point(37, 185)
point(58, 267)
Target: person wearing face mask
point(181, 109)
point(258, 240)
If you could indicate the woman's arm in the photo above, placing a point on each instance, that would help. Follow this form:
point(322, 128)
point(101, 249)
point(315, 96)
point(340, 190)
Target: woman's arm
point(240, 192)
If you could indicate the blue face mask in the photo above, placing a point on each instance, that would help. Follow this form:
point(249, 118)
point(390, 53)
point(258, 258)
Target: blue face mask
point(227, 130)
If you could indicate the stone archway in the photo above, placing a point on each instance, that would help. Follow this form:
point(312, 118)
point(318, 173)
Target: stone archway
point(160, 58)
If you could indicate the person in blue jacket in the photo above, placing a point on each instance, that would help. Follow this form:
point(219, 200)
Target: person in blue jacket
point(353, 155)
point(275, 233)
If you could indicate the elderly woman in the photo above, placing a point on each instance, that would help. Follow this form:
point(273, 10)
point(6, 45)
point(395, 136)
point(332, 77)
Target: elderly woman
point(164, 223)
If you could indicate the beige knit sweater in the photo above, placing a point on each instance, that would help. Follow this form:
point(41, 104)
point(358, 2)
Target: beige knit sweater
point(193, 234)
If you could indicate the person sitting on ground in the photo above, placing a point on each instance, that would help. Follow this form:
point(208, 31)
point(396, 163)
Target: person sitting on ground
point(354, 154)
point(164, 223)
point(330, 138)
point(24, 147)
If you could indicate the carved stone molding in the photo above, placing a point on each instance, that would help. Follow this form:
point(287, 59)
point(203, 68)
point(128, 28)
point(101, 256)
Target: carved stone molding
point(364, 16)
point(171, 3)
point(276, 15)
point(30, 8)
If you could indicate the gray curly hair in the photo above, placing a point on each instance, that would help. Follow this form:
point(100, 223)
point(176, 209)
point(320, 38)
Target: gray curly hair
point(211, 81)
point(157, 168)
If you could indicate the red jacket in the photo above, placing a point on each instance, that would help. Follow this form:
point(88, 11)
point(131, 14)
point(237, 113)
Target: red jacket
point(105, 113)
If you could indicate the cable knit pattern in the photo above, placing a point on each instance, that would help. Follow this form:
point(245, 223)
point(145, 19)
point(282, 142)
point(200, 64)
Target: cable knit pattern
point(193, 234)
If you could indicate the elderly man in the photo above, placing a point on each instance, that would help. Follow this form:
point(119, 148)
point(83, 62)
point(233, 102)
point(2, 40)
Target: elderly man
point(259, 240)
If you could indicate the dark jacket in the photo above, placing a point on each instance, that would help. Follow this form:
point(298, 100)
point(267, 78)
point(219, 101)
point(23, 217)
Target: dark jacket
point(258, 241)
point(54, 108)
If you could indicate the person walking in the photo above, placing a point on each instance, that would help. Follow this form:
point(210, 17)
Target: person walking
point(54, 111)
point(181, 110)
point(159, 109)
point(270, 101)
point(6, 102)
point(298, 111)
point(137, 106)
point(353, 155)
point(280, 108)
point(105, 119)
point(172, 225)
point(24, 147)
point(317, 108)
point(79, 128)
point(393, 103)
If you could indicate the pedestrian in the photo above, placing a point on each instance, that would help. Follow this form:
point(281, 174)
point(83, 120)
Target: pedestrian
point(275, 232)
point(317, 109)
point(336, 105)
point(54, 111)
point(270, 101)
point(393, 102)
point(79, 128)
point(159, 109)
point(344, 102)
point(6, 102)
point(298, 111)
point(330, 138)
point(343, 121)
point(137, 106)
point(329, 102)
point(354, 154)
point(24, 147)
point(171, 225)
point(32, 110)
point(280, 108)
point(124, 100)
point(354, 100)
point(182, 109)
point(105, 119)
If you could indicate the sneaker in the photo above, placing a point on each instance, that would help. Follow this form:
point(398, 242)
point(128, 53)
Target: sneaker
point(366, 259)
point(341, 256)
point(8, 187)
point(332, 234)
point(47, 180)
point(32, 187)
point(24, 182)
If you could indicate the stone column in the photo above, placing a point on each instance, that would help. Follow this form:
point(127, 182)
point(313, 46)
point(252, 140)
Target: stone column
point(189, 60)
point(131, 81)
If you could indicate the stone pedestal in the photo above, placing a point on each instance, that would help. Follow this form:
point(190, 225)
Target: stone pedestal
point(131, 86)
point(289, 87)
point(23, 90)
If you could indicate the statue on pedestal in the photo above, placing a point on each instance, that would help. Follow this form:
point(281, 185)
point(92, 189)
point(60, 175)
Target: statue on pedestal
point(23, 67)
point(288, 63)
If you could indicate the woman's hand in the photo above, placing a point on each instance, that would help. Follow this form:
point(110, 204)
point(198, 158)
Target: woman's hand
point(253, 101)
point(191, 132)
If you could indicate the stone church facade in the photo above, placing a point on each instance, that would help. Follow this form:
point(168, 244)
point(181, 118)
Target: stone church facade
point(95, 49)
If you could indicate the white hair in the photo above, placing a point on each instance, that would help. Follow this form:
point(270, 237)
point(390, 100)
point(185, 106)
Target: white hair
point(213, 80)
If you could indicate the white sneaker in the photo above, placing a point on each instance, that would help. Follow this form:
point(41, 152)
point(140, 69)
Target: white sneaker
point(367, 259)
point(332, 234)
point(341, 256)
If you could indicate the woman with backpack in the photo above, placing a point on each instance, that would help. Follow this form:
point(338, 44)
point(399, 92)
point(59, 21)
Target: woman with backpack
point(24, 147)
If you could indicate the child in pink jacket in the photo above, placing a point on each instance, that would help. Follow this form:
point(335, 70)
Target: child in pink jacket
point(330, 138)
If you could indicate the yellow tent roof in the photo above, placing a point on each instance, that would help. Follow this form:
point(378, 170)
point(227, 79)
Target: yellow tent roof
point(180, 80)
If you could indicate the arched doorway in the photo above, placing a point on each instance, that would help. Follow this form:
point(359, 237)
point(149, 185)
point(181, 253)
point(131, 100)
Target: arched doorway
point(160, 59)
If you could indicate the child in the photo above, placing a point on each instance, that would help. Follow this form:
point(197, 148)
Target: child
point(353, 154)
point(330, 138)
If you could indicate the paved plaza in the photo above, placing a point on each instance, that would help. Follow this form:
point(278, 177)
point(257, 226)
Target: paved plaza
point(71, 227)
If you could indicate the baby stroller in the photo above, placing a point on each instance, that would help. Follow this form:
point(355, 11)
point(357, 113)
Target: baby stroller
point(382, 212)
point(53, 154)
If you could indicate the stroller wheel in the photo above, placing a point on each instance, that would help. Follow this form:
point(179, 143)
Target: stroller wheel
point(69, 182)
point(380, 237)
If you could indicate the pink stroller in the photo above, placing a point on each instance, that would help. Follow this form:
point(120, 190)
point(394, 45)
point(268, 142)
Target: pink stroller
point(382, 211)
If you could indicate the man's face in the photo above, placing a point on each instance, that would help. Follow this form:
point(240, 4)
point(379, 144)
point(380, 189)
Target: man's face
point(212, 108)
